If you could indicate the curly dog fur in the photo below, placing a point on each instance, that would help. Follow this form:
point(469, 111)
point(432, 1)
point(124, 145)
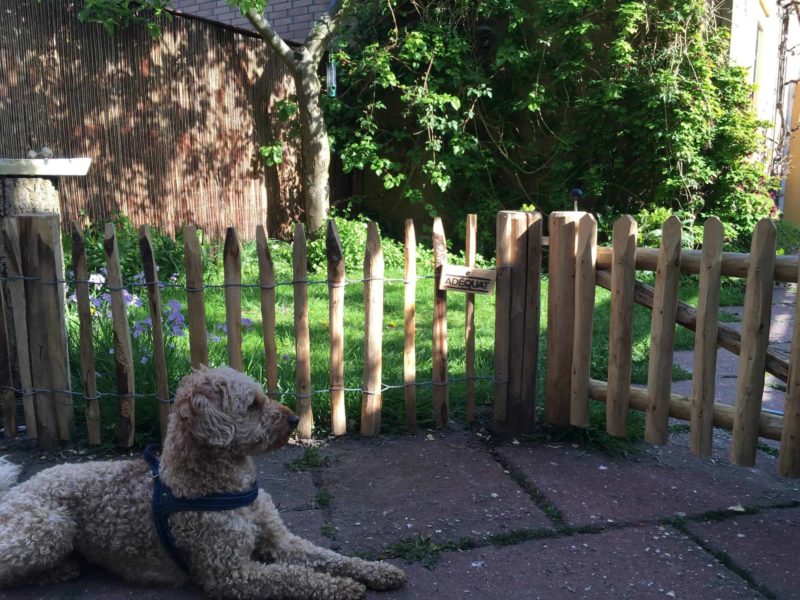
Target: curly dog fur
point(102, 511)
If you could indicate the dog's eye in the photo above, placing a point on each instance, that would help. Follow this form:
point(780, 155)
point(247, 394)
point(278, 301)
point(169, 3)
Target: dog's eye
point(255, 405)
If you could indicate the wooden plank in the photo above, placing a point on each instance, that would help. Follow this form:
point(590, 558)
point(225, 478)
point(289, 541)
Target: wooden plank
point(371, 401)
point(7, 397)
point(686, 316)
point(470, 252)
point(560, 315)
point(789, 459)
point(704, 369)
point(734, 264)
point(266, 279)
point(154, 303)
point(336, 285)
point(584, 316)
point(302, 337)
point(503, 262)
point(195, 297)
point(410, 327)
point(16, 288)
point(755, 338)
point(123, 353)
point(86, 336)
point(232, 261)
point(441, 402)
point(42, 259)
point(662, 333)
point(620, 339)
point(516, 322)
point(533, 294)
point(769, 425)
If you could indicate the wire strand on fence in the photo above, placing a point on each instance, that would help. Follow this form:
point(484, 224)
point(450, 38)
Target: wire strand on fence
point(384, 387)
point(206, 286)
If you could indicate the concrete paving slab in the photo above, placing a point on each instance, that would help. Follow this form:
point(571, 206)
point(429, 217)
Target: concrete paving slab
point(766, 545)
point(290, 490)
point(442, 486)
point(308, 524)
point(663, 481)
point(638, 562)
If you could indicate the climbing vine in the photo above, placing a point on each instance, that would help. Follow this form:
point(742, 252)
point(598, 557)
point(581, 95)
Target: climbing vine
point(496, 104)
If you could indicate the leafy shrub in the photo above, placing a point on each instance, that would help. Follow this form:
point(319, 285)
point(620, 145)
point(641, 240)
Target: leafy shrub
point(480, 106)
point(788, 241)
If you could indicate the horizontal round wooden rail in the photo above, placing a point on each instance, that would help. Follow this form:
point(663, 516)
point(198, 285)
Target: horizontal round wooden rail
point(770, 426)
point(734, 264)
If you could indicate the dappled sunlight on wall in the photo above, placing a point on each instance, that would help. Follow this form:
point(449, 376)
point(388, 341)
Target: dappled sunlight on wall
point(173, 126)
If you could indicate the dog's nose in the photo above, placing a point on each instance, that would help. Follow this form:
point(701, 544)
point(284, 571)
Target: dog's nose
point(293, 421)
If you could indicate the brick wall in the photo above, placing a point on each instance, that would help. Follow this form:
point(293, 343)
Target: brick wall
point(292, 19)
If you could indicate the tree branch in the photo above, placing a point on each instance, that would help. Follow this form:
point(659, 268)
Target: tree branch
point(268, 34)
point(323, 29)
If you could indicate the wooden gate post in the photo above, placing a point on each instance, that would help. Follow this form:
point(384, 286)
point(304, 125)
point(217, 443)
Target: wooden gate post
point(43, 261)
point(560, 315)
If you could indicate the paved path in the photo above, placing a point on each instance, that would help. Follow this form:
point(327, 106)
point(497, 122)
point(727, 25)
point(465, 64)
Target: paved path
point(532, 520)
point(780, 339)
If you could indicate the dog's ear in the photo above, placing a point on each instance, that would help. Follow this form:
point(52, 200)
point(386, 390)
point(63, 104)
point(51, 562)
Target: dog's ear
point(203, 409)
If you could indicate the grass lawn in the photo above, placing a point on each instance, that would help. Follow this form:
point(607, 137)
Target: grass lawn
point(393, 405)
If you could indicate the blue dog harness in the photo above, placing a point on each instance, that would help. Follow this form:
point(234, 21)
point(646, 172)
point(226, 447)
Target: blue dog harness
point(165, 503)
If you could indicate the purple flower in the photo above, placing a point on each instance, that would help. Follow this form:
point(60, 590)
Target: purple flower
point(174, 305)
point(107, 297)
point(138, 278)
point(247, 323)
point(213, 338)
point(144, 359)
point(222, 327)
point(97, 302)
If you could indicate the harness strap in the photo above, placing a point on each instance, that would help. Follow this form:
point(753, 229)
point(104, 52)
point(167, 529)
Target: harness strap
point(165, 503)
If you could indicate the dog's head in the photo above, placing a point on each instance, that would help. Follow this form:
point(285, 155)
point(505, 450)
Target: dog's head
point(222, 408)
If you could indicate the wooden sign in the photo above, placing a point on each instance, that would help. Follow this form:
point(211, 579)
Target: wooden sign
point(467, 279)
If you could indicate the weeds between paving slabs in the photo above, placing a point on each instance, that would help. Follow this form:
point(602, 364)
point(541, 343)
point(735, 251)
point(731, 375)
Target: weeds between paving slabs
point(169, 255)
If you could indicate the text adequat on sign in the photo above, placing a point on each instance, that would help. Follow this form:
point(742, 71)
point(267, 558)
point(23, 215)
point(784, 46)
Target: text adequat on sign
point(467, 279)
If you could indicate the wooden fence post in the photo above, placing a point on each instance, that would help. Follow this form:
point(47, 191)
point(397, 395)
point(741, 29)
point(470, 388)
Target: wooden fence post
point(42, 259)
point(469, 317)
point(789, 461)
point(410, 327)
point(336, 283)
point(154, 303)
point(755, 338)
point(7, 395)
point(704, 369)
point(302, 337)
point(503, 263)
point(373, 334)
point(232, 261)
point(662, 333)
point(123, 353)
point(266, 279)
point(584, 316)
point(620, 344)
point(530, 352)
point(441, 401)
point(88, 373)
point(560, 315)
point(516, 321)
point(195, 297)
point(16, 288)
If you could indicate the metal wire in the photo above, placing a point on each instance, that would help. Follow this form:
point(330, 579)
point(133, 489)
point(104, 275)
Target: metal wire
point(206, 286)
point(281, 393)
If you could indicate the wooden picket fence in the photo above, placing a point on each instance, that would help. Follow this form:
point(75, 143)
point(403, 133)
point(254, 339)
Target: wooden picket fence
point(577, 264)
point(36, 331)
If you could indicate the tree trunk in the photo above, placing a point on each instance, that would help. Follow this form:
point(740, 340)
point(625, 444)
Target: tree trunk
point(316, 151)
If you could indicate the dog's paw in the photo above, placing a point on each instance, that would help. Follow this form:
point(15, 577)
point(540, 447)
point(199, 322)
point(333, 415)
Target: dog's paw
point(347, 589)
point(383, 576)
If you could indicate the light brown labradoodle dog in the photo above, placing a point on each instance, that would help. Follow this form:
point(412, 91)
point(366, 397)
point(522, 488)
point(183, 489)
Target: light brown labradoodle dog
point(103, 511)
